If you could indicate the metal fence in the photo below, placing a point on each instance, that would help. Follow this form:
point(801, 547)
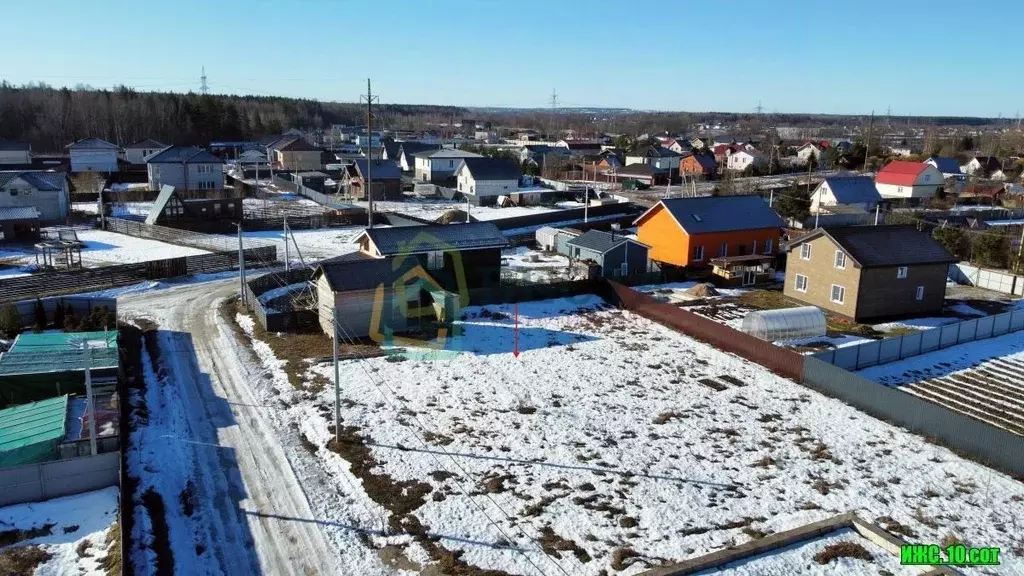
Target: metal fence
point(899, 347)
point(211, 242)
point(963, 273)
point(992, 445)
point(273, 320)
point(81, 305)
point(37, 482)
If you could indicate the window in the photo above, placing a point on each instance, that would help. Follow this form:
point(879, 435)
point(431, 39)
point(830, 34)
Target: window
point(901, 272)
point(435, 260)
point(838, 294)
point(451, 163)
point(231, 206)
point(768, 246)
point(840, 259)
point(920, 293)
point(805, 252)
point(623, 269)
point(471, 190)
point(724, 251)
point(801, 283)
point(698, 253)
point(14, 192)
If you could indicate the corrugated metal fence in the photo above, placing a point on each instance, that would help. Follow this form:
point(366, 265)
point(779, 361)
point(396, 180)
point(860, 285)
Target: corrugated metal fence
point(963, 273)
point(37, 482)
point(896, 348)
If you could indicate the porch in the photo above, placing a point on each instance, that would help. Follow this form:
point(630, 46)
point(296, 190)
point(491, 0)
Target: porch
point(745, 270)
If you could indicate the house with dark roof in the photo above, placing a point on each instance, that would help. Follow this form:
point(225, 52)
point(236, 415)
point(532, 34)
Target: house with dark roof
point(19, 224)
point(384, 175)
point(93, 155)
point(296, 154)
point(482, 180)
point(658, 158)
point(407, 153)
point(185, 168)
point(18, 153)
point(852, 193)
point(949, 167)
point(612, 254)
point(909, 180)
point(693, 231)
point(579, 147)
point(389, 150)
point(172, 209)
point(137, 152)
point(44, 191)
point(868, 272)
point(643, 173)
point(440, 165)
point(698, 165)
point(983, 166)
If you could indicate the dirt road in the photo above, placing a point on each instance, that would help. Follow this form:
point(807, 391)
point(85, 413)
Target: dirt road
point(253, 512)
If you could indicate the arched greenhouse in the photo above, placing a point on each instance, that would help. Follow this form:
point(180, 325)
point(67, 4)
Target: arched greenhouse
point(785, 323)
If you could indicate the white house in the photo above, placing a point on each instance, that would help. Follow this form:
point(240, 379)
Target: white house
point(487, 177)
point(185, 168)
point(136, 153)
point(46, 191)
point(808, 149)
point(741, 159)
point(440, 165)
point(901, 179)
point(658, 158)
point(949, 167)
point(853, 193)
point(15, 152)
point(93, 155)
point(987, 164)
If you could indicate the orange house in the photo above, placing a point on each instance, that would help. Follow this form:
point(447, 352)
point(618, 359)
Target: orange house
point(695, 231)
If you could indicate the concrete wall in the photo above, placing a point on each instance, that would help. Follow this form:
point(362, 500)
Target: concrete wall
point(963, 273)
point(982, 441)
point(37, 482)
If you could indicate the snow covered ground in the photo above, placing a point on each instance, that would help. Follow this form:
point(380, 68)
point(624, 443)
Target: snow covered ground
point(105, 248)
point(547, 267)
point(79, 522)
point(313, 244)
point(432, 209)
point(614, 443)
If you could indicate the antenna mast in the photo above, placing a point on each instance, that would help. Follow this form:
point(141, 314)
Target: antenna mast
point(369, 150)
point(203, 88)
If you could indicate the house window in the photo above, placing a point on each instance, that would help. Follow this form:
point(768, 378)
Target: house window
point(14, 192)
point(471, 191)
point(768, 246)
point(698, 253)
point(840, 259)
point(901, 272)
point(451, 163)
point(838, 294)
point(623, 269)
point(805, 252)
point(724, 251)
point(231, 206)
point(435, 260)
point(920, 293)
point(801, 283)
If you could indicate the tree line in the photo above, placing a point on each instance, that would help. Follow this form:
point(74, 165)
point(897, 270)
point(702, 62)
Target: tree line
point(50, 118)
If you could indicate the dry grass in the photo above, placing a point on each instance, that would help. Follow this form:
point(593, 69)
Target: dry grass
point(553, 544)
point(842, 550)
point(765, 300)
point(8, 537)
point(112, 561)
point(22, 560)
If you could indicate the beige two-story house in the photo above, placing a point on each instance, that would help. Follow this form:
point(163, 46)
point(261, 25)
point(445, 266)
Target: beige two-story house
point(868, 272)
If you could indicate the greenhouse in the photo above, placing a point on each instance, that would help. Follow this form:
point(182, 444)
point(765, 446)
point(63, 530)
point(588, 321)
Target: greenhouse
point(785, 323)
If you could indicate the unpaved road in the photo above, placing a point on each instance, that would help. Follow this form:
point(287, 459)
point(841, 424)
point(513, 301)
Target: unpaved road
point(253, 509)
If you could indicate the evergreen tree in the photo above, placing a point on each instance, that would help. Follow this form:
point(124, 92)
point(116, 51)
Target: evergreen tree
point(10, 321)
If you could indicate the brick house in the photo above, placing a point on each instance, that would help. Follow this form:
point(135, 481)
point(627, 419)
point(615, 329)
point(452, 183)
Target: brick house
point(864, 272)
point(698, 165)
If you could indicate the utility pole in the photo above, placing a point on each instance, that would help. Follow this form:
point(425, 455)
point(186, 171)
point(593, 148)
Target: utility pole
point(337, 383)
point(241, 266)
point(287, 259)
point(877, 207)
point(867, 143)
point(91, 405)
point(369, 135)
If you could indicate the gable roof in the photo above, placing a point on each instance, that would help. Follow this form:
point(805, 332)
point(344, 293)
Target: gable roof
point(11, 213)
point(145, 144)
point(706, 162)
point(411, 148)
point(166, 193)
point(91, 144)
point(39, 179)
point(718, 213)
point(447, 153)
point(390, 148)
point(492, 168)
point(38, 422)
point(853, 189)
point(600, 241)
point(11, 145)
point(379, 170)
point(900, 172)
point(989, 162)
point(654, 152)
point(296, 144)
point(183, 155)
point(879, 246)
point(945, 164)
point(444, 237)
point(344, 275)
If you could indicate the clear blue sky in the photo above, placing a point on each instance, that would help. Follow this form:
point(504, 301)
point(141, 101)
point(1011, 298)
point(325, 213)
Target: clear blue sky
point(917, 57)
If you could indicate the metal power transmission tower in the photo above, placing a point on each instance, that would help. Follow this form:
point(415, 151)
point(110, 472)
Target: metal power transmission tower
point(554, 100)
point(759, 108)
point(369, 98)
point(203, 88)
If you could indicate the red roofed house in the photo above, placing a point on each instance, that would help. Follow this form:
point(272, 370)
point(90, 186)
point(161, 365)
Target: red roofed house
point(899, 179)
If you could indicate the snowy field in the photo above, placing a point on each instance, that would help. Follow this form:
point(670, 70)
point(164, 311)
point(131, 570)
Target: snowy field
point(432, 209)
point(73, 530)
point(532, 265)
point(313, 244)
point(616, 444)
point(105, 248)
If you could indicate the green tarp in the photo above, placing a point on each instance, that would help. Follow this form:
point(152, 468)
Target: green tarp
point(30, 433)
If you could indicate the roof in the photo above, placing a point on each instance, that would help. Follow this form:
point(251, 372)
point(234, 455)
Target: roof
point(446, 237)
point(91, 143)
point(33, 423)
point(166, 192)
point(900, 172)
point(600, 241)
point(710, 214)
point(878, 246)
point(580, 144)
point(183, 155)
point(11, 213)
point(41, 180)
point(364, 274)
point(48, 352)
point(945, 164)
point(296, 144)
point(379, 169)
point(989, 162)
point(654, 152)
point(447, 153)
point(147, 143)
point(853, 189)
point(492, 168)
point(411, 148)
point(390, 148)
point(9, 145)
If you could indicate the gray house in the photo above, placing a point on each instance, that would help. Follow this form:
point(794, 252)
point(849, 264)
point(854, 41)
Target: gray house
point(136, 153)
point(616, 255)
point(47, 192)
point(185, 168)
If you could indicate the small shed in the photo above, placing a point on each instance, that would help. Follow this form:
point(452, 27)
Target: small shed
point(785, 323)
point(30, 433)
point(19, 223)
point(546, 237)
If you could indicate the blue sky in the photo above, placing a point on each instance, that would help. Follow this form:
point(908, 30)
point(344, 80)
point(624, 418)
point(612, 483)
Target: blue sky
point(917, 57)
